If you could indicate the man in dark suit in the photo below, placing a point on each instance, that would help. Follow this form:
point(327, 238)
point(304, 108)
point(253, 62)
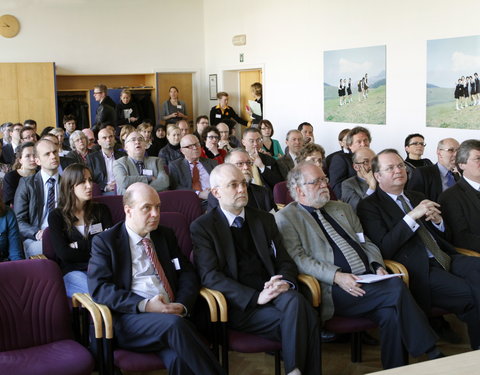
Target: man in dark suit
point(265, 168)
point(101, 162)
point(294, 141)
point(8, 152)
point(326, 240)
point(342, 141)
point(258, 196)
point(341, 166)
point(238, 251)
point(355, 188)
point(408, 229)
point(106, 108)
point(36, 196)
point(64, 161)
point(434, 179)
point(138, 271)
point(192, 172)
point(461, 203)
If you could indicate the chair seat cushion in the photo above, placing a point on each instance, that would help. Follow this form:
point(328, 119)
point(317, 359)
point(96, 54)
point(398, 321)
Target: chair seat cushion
point(127, 360)
point(64, 357)
point(340, 324)
point(249, 343)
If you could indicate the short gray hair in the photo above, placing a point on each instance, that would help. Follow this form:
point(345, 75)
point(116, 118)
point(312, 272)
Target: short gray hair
point(463, 152)
point(295, 178)
point(216, 174)
point(74, 136)
point(238, 149)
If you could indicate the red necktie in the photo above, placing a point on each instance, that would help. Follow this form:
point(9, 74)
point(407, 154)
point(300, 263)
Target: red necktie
point(147, 245)
point(196, 184)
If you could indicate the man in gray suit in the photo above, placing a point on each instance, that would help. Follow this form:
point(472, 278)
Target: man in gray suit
point(36, 196)
point(193, 172)
point(136, 167)
point(355, 188)
point(326, 240)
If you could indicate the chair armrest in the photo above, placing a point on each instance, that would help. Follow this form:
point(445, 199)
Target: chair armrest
point(106, 316)
point(40, 256)
point(280, 206)
point(212, 304)
point(470, 253)
point(314, 287)
point(221, 303)
point(82, 299)
point(396, 267)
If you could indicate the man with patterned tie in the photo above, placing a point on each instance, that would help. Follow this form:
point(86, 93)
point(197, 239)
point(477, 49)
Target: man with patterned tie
point(432, 180)
point(36, 196)
point(326, 240)
point(138, 271)
point(137, 167)
point(238, 251)
point(409, 229)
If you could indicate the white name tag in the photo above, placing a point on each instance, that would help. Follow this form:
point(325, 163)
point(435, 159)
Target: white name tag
point(96, 228)
point(361, 237)
point(176, 263)
point(218, 116)
point(179, 106)
point(74, 245)
point(147, 172)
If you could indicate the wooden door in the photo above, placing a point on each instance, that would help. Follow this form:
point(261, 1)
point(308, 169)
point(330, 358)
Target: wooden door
point(247, 78)
point(183, 82)
point(9, 93)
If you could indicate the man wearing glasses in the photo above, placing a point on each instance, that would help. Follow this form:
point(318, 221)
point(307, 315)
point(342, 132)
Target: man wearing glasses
point(409, 229)
point(432, 180)
point(192, 172)
point(106, 108)
point(136, 167)
point(357, 187)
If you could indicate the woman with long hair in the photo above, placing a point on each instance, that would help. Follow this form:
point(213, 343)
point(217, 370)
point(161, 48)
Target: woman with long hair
point(74, 223)
point(173, 109)
point(23, 166)
point(171, 151)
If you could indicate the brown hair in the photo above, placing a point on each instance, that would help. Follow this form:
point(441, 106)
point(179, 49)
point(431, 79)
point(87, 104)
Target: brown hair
point(19, 152)
point(267, 123)
point(221, 94)
point(309, 149)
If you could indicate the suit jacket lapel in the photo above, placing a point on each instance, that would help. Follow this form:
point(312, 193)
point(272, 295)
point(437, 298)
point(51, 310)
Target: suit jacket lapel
point(38, 181)
point(471, 194)
point(260, 240)
point(185, 171)
point(223, 232)
point(164, 257)
point(124, 257)
point(391, 207)
point(101, 162)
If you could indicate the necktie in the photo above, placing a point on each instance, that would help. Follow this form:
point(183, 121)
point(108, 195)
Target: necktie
point(51, 194)
point(450, 179)
point(196, 184)
point(238, 222)
point(353, 259)
point(257, 179)
point(147, 245)
point(140, 166)
point(427, 239)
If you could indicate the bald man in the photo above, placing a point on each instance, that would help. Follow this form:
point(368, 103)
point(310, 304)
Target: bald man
point(138, 271)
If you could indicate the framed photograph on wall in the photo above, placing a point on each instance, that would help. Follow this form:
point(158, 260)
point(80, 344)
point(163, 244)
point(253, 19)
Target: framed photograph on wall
point(354, 85)
point(453, 86)
point(212, 82)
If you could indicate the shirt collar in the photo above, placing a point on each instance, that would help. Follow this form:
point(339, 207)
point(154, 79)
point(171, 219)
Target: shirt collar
point(231, 217)
point(45, 176)
point(442, 169)
point(473, 184)
point(135, 237)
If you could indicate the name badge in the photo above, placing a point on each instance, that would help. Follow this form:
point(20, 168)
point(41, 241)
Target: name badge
point(218, 115)
point(147, 172)
point(361, 237)
point(176, 263)
point(96, 228)
point(179, 106)
point(74, 245)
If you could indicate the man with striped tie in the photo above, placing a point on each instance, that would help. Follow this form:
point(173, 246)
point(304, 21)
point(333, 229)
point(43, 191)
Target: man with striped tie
point(326, 240)
point(138, 271)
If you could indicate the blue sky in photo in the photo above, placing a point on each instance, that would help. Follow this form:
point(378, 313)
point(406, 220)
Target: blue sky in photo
point(354, 63)
point(449, 59)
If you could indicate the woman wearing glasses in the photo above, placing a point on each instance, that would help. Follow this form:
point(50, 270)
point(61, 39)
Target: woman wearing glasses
point(211, 137)
point(270, 146)
point(415, 146)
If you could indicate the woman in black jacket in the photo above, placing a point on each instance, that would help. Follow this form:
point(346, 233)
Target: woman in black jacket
point(74, 223)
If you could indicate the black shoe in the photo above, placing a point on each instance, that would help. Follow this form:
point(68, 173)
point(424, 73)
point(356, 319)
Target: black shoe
point(368, 339)
point(443, 329)
point(328, 336)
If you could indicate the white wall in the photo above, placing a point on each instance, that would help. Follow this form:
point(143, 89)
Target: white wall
point(288, 38)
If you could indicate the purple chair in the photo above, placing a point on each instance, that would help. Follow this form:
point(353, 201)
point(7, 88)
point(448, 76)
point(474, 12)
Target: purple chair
point(35, 322)
point(115, 204)
point(96, 191)
point(178, 222)
point(48, 249)
point(183, 201)
point(281, 194)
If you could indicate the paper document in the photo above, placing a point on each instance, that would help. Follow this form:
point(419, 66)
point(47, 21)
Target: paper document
point(255, 107)
point(369, 279)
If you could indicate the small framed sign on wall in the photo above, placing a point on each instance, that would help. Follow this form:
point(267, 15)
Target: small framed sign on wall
point(212, 81)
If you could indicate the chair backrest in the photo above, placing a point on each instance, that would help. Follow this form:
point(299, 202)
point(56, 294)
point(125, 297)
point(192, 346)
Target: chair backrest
point(33, 304)
point(47, 245)
point(180, 225)
point(115, 204)
point(281, 194)
point(96, 191)
point(184, 201)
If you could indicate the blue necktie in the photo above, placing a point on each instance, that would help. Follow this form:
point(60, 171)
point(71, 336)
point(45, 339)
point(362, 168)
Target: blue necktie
point(238, 222)
point(450, 179)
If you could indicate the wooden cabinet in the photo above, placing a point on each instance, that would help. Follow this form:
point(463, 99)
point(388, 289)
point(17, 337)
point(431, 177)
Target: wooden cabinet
point(28, 92)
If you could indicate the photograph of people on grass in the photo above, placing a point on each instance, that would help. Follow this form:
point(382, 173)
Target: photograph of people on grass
point(453, 86)
point(354, 85)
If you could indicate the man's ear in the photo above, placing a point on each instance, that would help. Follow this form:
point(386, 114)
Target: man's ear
point(216, 193)
point(127, 209)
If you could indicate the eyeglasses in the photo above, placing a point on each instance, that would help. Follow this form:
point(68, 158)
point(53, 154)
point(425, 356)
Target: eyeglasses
point(213, 137)
point(135, 139)
point(315, 160)
point(450, 150)
point(97, 92)
point(418, 144)
point(318, 181)
point(391, 168)
point(240, 164)
point(225, 132)
point(193, 146)
point(253, 141)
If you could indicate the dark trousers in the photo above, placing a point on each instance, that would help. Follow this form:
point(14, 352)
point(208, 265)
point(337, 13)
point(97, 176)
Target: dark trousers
point(403, 325)
point(172, 337)
point(289, 318)
point(458, 291)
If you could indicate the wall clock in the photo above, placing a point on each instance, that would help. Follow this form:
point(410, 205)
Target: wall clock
point(9, 26)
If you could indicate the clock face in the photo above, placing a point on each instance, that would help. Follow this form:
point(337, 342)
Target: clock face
point(9, 26)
